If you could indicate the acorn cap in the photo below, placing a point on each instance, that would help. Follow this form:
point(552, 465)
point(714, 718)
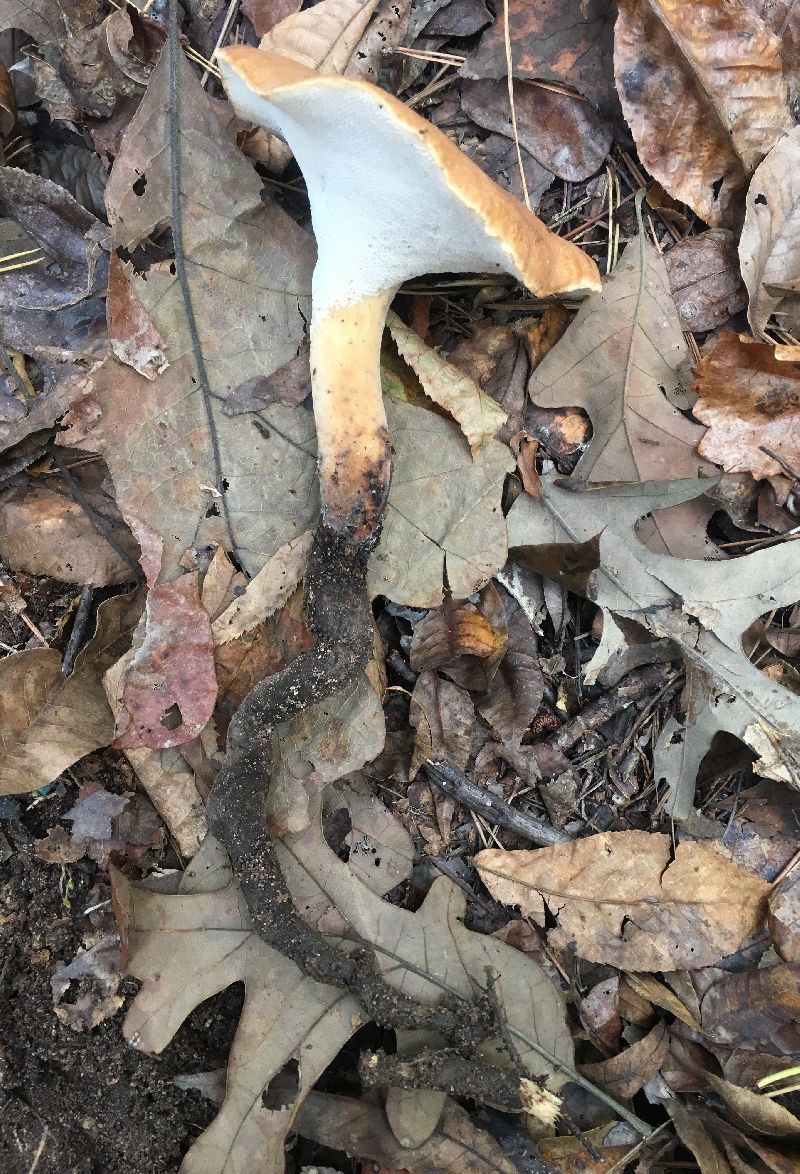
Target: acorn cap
point(391, 196)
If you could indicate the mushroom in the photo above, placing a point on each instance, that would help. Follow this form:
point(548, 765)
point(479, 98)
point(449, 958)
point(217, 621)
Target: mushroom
point(391, 198)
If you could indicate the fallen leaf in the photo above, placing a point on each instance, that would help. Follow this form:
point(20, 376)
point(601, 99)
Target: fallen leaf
point(463, 639)
point(565, 134)
point(622, 359)
point(444, 510)
point(568, 41)
point(755, 1009)
point(362, 1129)
point(698, 1140)
point(169, 780)
point(599, 1012)
point(290, 385)
point(700, 606)
point(514, 695)
point(44, 23)
point(782, 17)
point(618, 898)
point(265, 14)
point(444, 718)
point(624, 1074)
point(325, 39)
point(97, 975)
point(43, 531)
point(267, 592)
point(185, 947)
point(784, 918)
point(134, 338)
point(705, 281)
point(748, 399)
point(168, 692)
point(50, 721)
point(477, 414)
point(702, 90)
point(769, 247)
point(249, 297)
point(752, 1111)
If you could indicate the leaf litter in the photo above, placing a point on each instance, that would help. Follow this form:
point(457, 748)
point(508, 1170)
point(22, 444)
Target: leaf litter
point(515, 530)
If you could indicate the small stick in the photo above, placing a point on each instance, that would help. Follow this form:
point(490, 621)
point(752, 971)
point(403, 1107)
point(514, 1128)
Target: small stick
point(78, 629)
point(450, 780)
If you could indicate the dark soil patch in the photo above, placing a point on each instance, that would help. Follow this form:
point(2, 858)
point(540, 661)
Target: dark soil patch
point(92, 1104)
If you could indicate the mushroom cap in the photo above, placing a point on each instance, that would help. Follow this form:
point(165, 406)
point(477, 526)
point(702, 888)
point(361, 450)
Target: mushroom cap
point(391, 196)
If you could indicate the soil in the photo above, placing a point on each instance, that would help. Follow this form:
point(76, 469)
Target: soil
point(84, 1102)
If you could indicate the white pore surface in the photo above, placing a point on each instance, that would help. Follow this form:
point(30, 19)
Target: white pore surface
point(382, 212)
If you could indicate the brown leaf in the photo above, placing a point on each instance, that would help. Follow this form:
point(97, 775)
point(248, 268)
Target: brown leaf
point(621, 359)
point(569, 41)
point(476, 413)
point(248, 296)
point(50, 721)
point(769, 247)
point(623, 1075)
point(188, 945)
point(564, 133)
point(465, 640)
point(751, 1111)
point(784, 918)
point(362, 1129)
point(134, 338)
point(169, 689)
point(44, 532)
point(599, 1012)
point(325, 39)
point(98, 973)
point(444, 718)
point(265, 14)
point(705, 280)
point(40, 20)
point(756, 1005)
point(290, 385)
point(782, 17)
point(696, 1137)
point(748, 399)
point(267, 592)
point(620, 900)
point(514, 695)
point(702, 89)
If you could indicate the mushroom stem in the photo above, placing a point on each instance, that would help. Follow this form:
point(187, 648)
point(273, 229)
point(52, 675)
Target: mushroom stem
point(352, 435)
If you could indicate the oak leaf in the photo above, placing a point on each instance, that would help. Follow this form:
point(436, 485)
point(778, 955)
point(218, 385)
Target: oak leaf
point(624, 359)
point(702, 89)
point(325, 39)
point(618, 898)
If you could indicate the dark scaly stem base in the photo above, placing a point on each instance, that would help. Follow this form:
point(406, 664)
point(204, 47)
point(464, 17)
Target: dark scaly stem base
point(338, 611)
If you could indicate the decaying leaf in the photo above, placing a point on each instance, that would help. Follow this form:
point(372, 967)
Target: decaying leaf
point(361, 1128)
point(769, 247)
point(568, 41)
point(40, 20)
point(268, 591)
point(44, 532)
point(586, 539)
point(444, 718)
point(187, 946)
point(620, 900)
point(704, 277)
point(783, 18)
point(624, 1074)
point(702, 89)
point(324, 39)
point(748, 399)
point(50, 721)
point(463, 639)
point(561, 131)
point(249, 295)
point(444, 509)
point(514, 695)
point(621, 359)
point(478, 415)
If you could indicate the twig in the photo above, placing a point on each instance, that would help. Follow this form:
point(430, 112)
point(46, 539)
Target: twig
point(173, 45)
point(78, 629)
point(510, 79)
point(97, 521)
point(450, 780)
